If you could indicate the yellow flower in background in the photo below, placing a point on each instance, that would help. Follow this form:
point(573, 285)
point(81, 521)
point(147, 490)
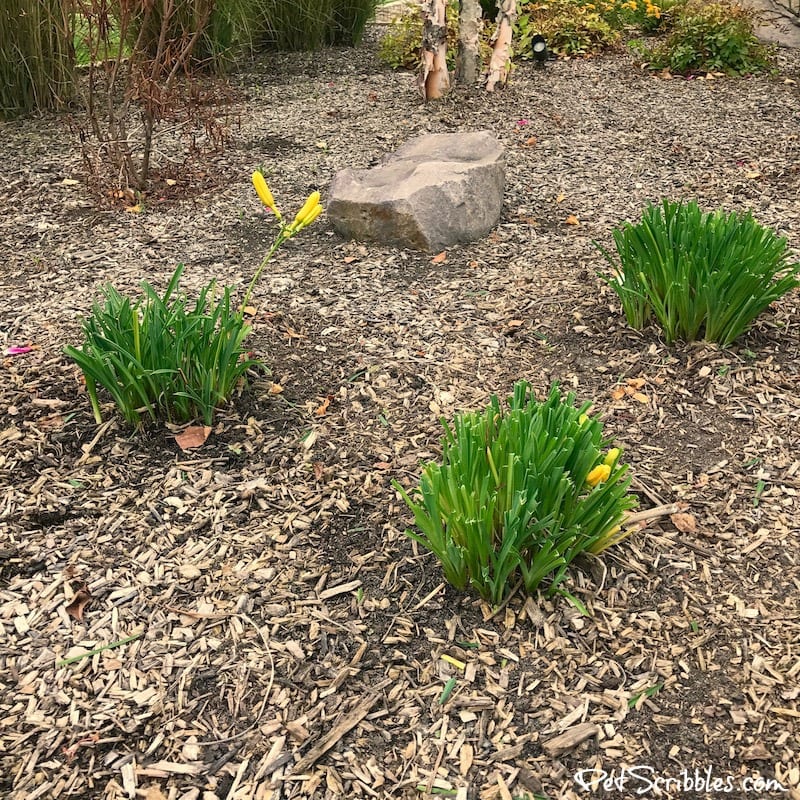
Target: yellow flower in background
point(264, 193)
point(599, 474)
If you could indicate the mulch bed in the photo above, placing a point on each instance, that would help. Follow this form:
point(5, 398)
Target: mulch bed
point(285, 638)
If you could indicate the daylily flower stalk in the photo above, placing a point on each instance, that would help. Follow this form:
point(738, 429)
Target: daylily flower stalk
point(311, 209)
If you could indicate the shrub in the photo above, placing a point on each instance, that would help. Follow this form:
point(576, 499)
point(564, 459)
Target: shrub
point(142, 57)
point(709, 37)
point(570, 27)
point(350, 18)
point(519, 494)
point(162, 30)
point(648, 16)
point(163, 358)
point(699, 274)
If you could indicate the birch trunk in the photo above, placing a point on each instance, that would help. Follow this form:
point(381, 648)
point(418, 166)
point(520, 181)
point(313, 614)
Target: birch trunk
point(469, 46)
point(435, 79)
point(501, 44)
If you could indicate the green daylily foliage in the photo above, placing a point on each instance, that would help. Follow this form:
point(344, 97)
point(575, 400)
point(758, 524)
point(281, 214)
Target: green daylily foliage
point(162, 357)
point(701, 275)
point(509, 501)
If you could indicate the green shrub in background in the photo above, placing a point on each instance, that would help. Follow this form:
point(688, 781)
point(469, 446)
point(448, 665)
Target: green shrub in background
point(520, 492)
point(715, 36)
point(233, 27)
point(228, 29)
point(350, 18)
point(570, 27)
point(699, 274)
point(36, 56)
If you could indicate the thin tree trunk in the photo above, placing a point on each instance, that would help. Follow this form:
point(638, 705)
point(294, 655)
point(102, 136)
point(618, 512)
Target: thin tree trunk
point(469, 46)
point(501, 44)
point(434, 80)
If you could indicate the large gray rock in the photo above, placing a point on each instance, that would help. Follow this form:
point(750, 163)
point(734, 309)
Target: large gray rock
point(434, 191)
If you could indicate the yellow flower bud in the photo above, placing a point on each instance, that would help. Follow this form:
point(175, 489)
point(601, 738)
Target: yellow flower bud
point(608, 538)
point(611, 456)
point(599, 474)
point(264, 193)
point(308, 207)
point(312, 215)
point(583, 419)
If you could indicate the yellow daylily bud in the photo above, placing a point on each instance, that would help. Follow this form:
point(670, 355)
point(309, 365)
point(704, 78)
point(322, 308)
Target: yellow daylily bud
point(308, 207)
point(610, 537)
point(599, 474)
point(611, 456)
point(264, 193)
point(312, 215)
point(583, 419)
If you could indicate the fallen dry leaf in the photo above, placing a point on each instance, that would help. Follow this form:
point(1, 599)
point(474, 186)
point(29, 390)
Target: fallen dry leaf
point(275, 388)
point(439, 258)
point(322, 408)
point(756, 752)
point(194, 436)
point(618, 393)
point(572, 220)
point(561, 197)
point(641, 398)
point(531, 142)
point(79, 602)
point(685, 523)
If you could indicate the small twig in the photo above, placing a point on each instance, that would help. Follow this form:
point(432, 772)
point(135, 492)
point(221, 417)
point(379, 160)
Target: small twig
point(267, 692)
point(340, 729)
point(73, 659)
point(87, 448)
point(439, 756)
point(505, 602)
point(652, 513)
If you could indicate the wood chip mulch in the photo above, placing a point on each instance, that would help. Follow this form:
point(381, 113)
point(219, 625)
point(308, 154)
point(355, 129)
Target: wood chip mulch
point(248, 619)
